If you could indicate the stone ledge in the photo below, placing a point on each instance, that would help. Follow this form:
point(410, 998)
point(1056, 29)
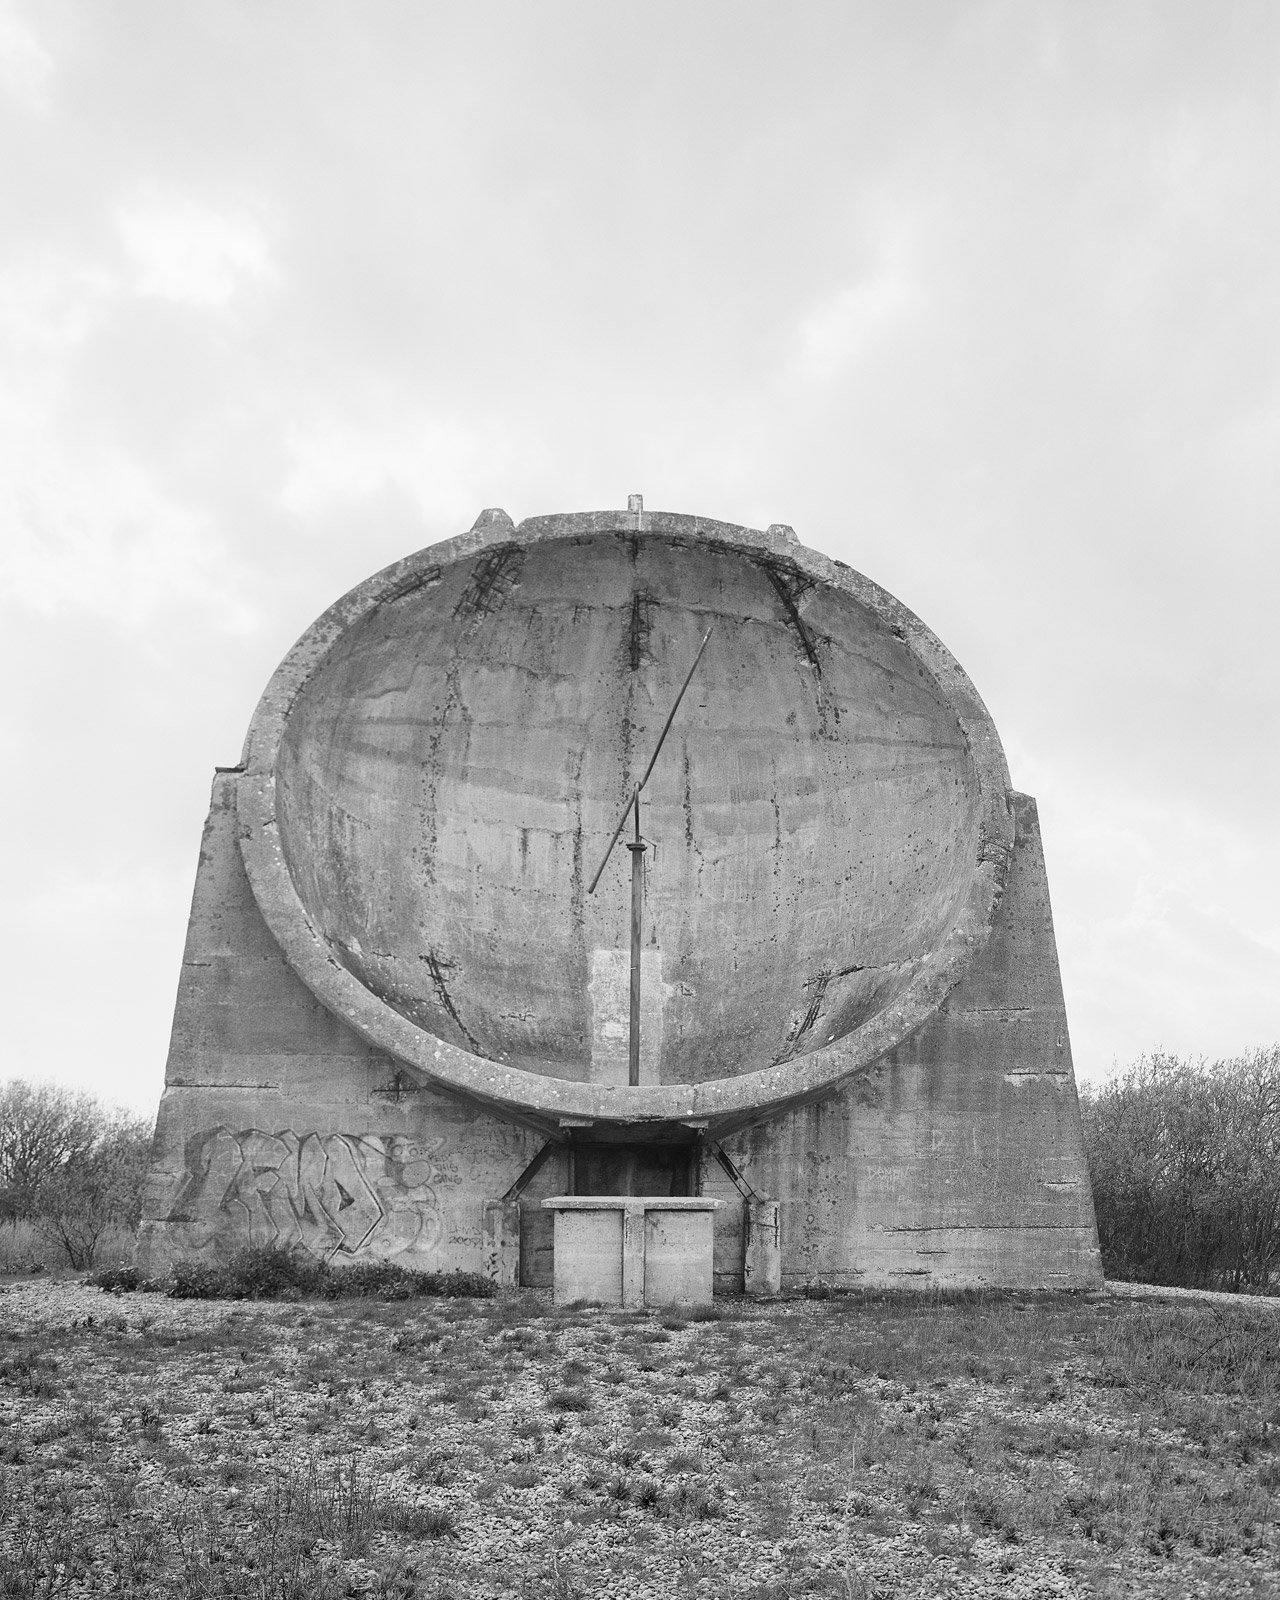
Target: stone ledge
point(628, 1202)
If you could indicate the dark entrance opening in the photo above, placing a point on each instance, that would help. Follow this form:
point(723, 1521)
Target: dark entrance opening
point(608, 1159)
point(630, 1166)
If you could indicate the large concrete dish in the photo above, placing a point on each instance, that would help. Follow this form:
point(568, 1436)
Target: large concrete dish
point(433, 771)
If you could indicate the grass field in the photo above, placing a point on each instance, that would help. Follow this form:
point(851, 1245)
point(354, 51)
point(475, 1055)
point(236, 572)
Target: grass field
point(855, 1447)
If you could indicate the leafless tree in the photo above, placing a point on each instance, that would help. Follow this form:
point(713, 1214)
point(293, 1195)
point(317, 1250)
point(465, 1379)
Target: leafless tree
point(96, 1192)
point(42, 1127)
point(1185, 1162)
point(70, 1165)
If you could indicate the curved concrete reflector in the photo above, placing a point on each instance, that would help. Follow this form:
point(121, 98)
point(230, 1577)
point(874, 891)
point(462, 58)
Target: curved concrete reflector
point(403, 1019)
point(437, 766)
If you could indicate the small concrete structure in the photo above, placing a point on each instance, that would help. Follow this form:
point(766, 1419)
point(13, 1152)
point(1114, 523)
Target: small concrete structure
point(762, 1248)
point(633, 1250)
point(402, 1022)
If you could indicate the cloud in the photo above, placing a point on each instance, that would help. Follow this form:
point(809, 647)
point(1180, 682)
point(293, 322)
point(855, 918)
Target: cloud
point(97, 536)
point(50, 303)
point(86, 528)
point(115, 925)
point(100, 898)
point(343, 454)
point(1161, 938)
point(837, 330)
point(193, 253)
point(26, 66)
point(1159, 971)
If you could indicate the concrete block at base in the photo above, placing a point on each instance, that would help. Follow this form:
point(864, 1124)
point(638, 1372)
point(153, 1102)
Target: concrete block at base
point(632, 1250)
point(588, 1256)
point(762, 1254)
point(501, 1235)
point(677, 1258)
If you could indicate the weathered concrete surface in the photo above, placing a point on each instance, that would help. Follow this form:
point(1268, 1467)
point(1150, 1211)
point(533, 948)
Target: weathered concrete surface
point(762, 1248)
point(677, 1253)
point(935, 1141)
point(432, 762)
point(450, 766)
point(958, 1158)
point(278, 1123)
point(609, 987)
point(622, 1250)
point(501, 1260)
point(589, 1252)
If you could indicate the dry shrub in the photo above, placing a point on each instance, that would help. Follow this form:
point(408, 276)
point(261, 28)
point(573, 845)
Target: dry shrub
point(1185, 1162)
point(277, 1272)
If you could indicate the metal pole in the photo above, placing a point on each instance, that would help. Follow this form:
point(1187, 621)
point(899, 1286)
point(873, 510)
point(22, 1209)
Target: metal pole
point(671, 715)
point(666, 728)
point(637, 850)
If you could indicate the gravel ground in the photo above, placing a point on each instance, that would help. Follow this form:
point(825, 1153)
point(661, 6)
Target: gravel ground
point(502, 1450)
point(1159, 1291)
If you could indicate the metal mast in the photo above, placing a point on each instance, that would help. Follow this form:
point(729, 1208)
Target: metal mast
point(637, 847)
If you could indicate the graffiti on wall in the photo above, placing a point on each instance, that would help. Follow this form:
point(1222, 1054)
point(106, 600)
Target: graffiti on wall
point(333, 1194)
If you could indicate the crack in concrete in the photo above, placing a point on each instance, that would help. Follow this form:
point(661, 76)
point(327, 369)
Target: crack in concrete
point(436, 968)
point(788, 596)
point(493, 576)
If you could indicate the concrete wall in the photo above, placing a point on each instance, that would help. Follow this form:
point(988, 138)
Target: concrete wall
point(431, 764)
point(450, 772)
point(957, 1159)
point(278, 1122)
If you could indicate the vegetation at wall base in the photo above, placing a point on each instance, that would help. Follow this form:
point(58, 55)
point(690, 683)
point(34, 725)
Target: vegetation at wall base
point(276, 1272)
point(1184, 1157)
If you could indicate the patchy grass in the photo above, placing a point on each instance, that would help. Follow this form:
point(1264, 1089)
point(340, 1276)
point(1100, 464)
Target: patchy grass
point(864, 1446)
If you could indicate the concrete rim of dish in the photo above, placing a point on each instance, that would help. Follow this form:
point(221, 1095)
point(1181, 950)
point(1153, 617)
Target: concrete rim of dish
point(721, 1100)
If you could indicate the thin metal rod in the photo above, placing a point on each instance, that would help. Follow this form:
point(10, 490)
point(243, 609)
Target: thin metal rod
point(622, 822)
point(666, 726)
point(633, 797)
point(637, 917)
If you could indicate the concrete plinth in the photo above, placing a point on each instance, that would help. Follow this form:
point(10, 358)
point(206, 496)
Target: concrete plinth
point(762, 1249)
point(633, 1250)
point(502, 1242)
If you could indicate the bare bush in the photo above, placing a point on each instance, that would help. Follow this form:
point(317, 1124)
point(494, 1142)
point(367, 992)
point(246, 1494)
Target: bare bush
point(70, 1167)
point(1185, 1162)
point(96, 1193)
point(42, 1127)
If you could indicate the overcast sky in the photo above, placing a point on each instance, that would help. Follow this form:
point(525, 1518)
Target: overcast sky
point(984, 299)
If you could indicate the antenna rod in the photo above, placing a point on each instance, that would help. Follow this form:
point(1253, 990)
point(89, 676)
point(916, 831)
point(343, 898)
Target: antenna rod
point(634, 797)
point(622, 822)
point(637, 901)
point(666, 726)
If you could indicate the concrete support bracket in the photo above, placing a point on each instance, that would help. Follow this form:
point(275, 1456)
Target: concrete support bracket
point(501, 1236)
point(633, 1257)
point(762, 1249)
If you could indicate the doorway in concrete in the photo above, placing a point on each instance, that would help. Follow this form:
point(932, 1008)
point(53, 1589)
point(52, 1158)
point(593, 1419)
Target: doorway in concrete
point(665, 1162)
point(667, 1169)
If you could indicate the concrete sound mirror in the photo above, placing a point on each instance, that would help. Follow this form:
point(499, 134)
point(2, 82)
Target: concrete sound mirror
point(404, 1021)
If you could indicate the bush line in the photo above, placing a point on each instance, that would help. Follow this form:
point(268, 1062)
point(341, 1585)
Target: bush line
point(276, 1272)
